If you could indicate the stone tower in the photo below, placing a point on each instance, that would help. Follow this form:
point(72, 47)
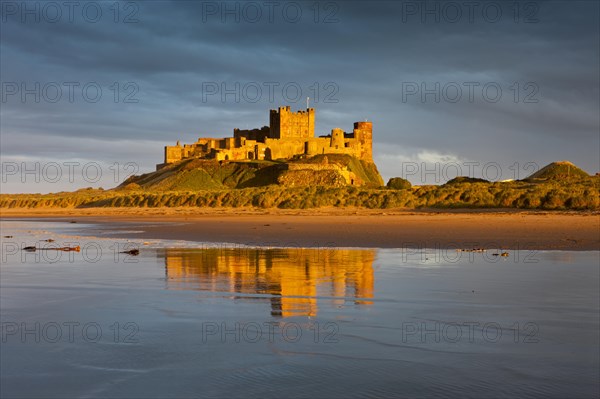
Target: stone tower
point(363, 132)
point(337, 138)
point(286, 124)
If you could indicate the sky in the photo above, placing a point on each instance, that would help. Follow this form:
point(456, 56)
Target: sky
point(93, 91)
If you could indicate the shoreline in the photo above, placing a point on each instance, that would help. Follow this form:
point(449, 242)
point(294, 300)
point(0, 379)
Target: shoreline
point(343, 227)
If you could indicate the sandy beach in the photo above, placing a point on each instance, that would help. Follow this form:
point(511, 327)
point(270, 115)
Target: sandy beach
point(345, 227)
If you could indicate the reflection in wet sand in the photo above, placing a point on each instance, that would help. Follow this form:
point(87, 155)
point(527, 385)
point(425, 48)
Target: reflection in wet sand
point(293, 280)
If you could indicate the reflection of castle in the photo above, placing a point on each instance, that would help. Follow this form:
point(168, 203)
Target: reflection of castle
point(293, 278)
point(289, 134)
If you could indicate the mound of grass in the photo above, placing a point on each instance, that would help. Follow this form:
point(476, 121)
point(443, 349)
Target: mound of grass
point(559, 171)
point(201, 174)
point(398, 183)
point(466, 179)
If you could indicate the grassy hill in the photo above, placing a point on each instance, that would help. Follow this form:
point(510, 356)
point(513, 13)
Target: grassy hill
point(561, 170)
point(200, 174)
point(203, 174)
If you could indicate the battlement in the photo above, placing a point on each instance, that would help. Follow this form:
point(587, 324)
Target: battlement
point(289, 134)
point(364, 125)
point(288, 110)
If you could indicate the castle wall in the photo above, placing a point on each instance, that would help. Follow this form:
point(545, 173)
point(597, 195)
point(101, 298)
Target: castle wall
point(253, 134)
point(285, 148)
point(336, 143)
point(173, 154)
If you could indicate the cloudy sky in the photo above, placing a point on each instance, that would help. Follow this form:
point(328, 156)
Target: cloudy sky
point(487, 89)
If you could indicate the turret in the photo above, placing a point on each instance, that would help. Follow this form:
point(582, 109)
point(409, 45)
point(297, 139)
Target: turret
point(337, 138)
point(363, 133)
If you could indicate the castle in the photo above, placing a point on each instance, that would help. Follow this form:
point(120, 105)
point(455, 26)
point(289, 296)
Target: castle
point(290, 134)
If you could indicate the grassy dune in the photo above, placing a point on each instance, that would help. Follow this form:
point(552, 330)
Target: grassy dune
point(574, 194)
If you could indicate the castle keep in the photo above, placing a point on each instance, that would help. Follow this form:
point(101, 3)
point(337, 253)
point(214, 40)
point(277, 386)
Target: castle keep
point(289, 134)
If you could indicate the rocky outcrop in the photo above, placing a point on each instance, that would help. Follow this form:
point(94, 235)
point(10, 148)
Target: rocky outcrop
point(312, 177)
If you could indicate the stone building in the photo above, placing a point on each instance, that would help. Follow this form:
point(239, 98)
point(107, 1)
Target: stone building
point(289, 134)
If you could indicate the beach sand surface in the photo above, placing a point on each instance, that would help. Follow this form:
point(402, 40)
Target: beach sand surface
point(323, 227)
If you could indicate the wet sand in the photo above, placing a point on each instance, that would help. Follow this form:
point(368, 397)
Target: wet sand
point(491, 229)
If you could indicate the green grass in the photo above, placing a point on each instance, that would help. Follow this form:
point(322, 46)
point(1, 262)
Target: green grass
point(582, 194)
point(562, 170)
point(203, 174)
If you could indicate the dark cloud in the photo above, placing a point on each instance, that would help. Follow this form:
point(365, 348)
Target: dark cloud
point(363, 60)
